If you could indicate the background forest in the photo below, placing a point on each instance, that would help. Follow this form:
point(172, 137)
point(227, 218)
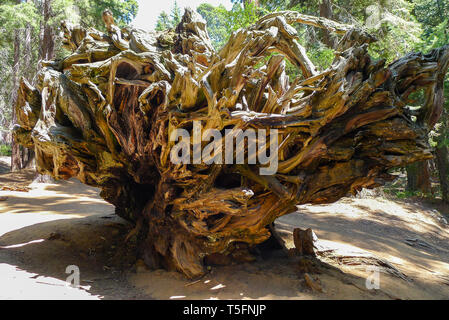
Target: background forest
point(30, 33)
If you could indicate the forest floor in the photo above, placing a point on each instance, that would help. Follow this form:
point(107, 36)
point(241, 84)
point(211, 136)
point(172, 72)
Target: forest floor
point(46, 227)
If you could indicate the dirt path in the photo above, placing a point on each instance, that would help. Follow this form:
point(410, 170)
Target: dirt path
point(407, 242)
point(53, 226)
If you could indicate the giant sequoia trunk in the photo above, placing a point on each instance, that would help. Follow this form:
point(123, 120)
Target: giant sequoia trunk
point(105, 115)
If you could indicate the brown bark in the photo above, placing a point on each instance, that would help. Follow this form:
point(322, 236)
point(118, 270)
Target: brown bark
point(304, 242)
point(441, 155)
point(47, 43)
point(418, 177)
point(105, 115)
point(27, 155)
point(16, 160)
point(27, 56)
point(441, 159)
point(326, 12)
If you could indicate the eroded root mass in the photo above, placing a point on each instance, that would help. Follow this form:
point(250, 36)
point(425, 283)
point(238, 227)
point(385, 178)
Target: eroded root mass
point(105, 113)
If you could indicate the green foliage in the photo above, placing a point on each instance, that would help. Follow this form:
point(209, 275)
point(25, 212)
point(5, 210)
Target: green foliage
point(124, 11)
point(321, 56)
point(22, 18)
point(397, 30)
point(433, 16)
point(165, 21)
point(405, 194)
point(5, 150)
point(275, 5)
point(16, 16)
point(243, 16)
point(216, 23)
point(176, 14)
point(398, 188)
point(221, 22)
point(392, 22)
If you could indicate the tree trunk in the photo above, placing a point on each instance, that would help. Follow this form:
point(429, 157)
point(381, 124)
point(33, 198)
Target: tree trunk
point(27, 155)
point(47, 43)
point(441, 155)
point(27, 56)
point(326, 12)
point(418, 177)
point(16, 160)
point(110, 114)
point(441, 158)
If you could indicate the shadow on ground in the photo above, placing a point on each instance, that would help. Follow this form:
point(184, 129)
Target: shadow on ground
point(54, 226)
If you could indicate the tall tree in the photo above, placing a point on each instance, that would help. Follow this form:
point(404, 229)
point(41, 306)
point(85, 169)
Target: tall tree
point(433, 16)
point(221, 22)
point(47, 43)
point(124, 11)
point(164, 22)
point(16, 159)
point(326, 11)
point(216, 23)
point(169, 21)
point(31, 31)
point(441, 157)
point(176, 14)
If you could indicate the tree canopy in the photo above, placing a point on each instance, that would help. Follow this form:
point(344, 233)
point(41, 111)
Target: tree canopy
point(26, 21)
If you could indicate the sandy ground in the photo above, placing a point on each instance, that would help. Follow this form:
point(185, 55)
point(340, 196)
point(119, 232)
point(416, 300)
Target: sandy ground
point(45, 228)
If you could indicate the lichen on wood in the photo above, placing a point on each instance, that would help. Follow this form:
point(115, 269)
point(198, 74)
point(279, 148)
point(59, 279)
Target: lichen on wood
point(104, 115)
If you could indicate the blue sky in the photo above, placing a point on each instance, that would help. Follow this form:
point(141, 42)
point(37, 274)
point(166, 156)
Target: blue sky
point(149, 10)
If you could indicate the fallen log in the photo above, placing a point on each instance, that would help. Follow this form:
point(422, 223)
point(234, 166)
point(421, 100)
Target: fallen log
point(107, 113)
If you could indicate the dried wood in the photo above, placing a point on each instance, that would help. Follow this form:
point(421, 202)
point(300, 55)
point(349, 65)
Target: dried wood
point(104, 115)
